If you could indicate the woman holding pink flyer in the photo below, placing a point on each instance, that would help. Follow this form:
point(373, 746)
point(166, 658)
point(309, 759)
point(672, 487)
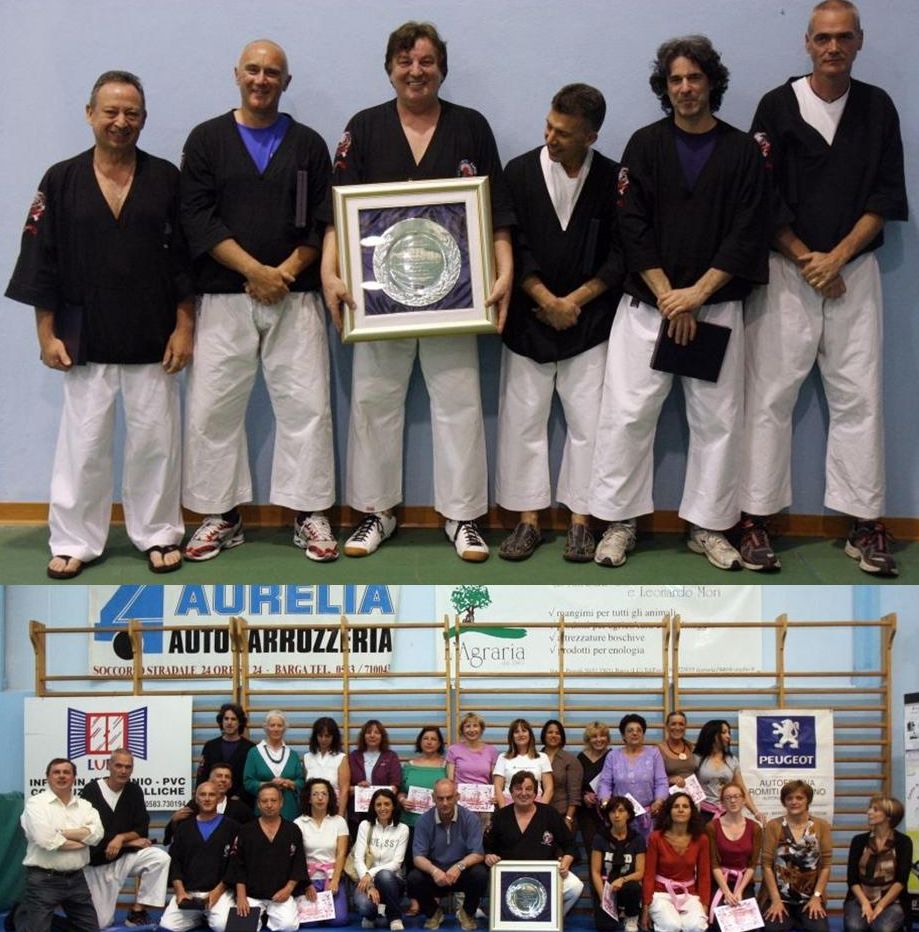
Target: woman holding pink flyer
point(470, 762)
point(735, 842)
point(677, 885)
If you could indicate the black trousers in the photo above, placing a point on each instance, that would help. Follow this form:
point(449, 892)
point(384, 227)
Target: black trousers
point(473, 883)
point(46, 891)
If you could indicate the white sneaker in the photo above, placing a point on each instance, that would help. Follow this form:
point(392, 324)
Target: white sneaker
point(631, 924)
point(617, 542)
point(214, 534)
point(397, 925)
point(369, 534)
point(467, 540)
point(313, 535)
point(715, 546)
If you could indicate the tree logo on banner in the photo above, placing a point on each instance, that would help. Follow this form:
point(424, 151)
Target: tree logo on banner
point(465, 600)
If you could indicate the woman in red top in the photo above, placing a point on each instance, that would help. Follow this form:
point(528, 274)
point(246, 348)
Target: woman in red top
point(676, 889)
point(735, 846)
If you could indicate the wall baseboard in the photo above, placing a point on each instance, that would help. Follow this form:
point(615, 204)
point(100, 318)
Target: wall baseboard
point(36, 513)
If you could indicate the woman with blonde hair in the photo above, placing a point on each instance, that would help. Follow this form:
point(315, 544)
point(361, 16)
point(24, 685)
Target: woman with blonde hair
point(591, 759)
point(878, 871)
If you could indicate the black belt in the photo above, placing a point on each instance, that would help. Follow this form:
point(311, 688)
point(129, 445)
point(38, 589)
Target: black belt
point(54, 873)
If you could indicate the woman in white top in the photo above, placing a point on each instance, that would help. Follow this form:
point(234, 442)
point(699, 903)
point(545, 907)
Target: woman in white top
point(325, 841)
point(325, 758)
point(382, 882)
point(521, 754)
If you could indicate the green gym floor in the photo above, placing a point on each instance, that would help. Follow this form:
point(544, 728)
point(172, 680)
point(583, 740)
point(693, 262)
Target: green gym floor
point(424, 556)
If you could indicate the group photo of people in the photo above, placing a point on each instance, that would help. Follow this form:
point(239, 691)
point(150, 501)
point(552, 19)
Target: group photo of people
point(644, 836)
point(737, 258)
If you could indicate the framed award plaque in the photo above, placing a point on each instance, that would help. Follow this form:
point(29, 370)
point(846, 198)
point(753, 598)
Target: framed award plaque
point(526, 896)
point(417, 257)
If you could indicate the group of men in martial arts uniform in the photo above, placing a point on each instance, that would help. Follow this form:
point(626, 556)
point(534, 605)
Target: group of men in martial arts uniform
point(596, 263)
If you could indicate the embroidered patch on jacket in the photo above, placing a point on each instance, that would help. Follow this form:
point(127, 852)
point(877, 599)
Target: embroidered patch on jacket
point(36, 212)
point(341, 152)
point(622, 184)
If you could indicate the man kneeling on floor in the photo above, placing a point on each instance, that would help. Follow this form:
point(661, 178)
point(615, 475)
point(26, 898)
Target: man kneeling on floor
point(125, 850)
point(199, 855)
point(448, 854)
point(268, 863)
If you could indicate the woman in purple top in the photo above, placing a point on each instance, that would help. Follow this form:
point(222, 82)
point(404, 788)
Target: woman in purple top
point(471, 760)
point(372, 763)
point(637, 771)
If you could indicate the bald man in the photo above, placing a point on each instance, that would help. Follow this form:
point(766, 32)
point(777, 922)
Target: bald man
point(252, 180)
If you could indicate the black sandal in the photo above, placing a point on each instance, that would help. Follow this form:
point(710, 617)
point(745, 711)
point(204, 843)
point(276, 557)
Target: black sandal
point(163, 567)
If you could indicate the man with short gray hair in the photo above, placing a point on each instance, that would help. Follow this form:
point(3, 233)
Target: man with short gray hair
point(448, 855)
point(833, 145)
point(125, 850)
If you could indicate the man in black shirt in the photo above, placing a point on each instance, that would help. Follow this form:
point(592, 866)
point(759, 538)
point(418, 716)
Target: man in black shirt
point(103, 263)
point(252, 180)
point(833, 145)
point(125, 850)
point(693, 217)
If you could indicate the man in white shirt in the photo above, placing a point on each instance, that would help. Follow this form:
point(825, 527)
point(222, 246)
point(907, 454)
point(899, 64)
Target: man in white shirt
point(59, 829)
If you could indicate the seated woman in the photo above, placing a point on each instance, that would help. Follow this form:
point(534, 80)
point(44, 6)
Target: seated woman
point(635, 769)
point(521, 755)
point(422, 771)
point(717, 766)
point(677, 886)
point(591, 759)
point(797, 855)
point(382, 882)
point(567, 773)
point(878, 873)
point(472, 760)
point(532, 831)
point(735, 845)
point(326, 758)
point(677, 752)
point(617, 861)
point(325, 842)
point(372, 763)
point(273, 761)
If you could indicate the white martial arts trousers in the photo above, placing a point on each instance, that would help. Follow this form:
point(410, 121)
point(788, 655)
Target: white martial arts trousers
point(282, 917)
point(182, 920)
point(665, 917)
point(233, 334)
point(81, 480)
point(380, 377)
point(522, 480)
point(789, 326)
point(105, 881)
point(633, 395)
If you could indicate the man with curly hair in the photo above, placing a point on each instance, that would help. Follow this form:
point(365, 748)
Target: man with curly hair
point(693, 217)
